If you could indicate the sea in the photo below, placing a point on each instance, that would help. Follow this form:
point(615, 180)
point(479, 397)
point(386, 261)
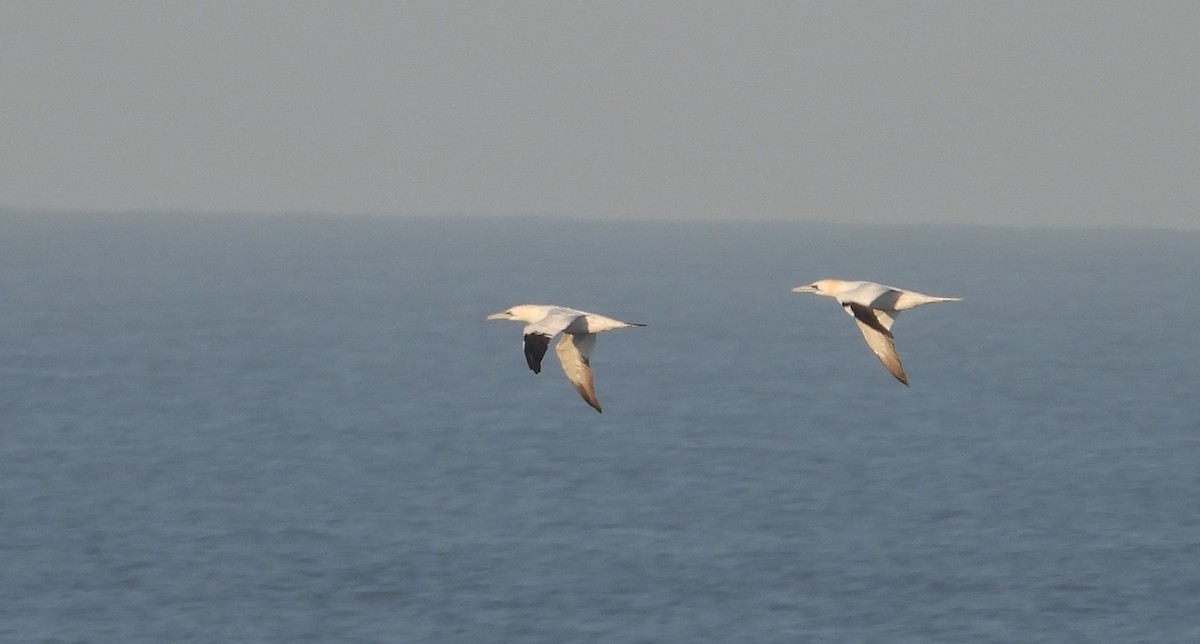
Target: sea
point(301, 428)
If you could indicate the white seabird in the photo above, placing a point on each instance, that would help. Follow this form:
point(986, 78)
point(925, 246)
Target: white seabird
point(875, 308)
point(574, 349)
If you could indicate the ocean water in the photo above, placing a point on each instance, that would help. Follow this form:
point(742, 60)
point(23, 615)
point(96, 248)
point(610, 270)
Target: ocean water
point(302, 429)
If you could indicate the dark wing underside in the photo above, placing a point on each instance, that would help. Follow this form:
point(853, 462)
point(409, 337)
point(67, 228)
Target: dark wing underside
point(866, 315)
point(535, 350)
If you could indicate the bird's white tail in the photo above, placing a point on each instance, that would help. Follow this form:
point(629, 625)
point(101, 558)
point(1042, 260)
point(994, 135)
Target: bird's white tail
point(910, 299)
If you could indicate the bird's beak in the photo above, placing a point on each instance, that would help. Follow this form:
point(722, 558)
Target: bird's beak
point(499, 316)
point(804, 289)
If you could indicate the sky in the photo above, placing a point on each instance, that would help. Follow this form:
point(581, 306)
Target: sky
point(996, 113)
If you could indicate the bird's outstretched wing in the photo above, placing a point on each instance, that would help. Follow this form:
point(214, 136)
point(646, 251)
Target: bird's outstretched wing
point(535, 348)
point(538, 335)
point(876, 328)
point(574, 352)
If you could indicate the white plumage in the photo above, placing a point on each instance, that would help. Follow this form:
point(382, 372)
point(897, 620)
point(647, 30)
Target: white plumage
point(875, 308)
point(574, 349)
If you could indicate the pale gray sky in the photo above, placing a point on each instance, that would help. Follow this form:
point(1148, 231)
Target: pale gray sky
point(971, 112)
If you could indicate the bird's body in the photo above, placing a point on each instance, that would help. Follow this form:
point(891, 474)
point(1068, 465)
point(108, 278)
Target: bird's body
point(574, 349)
point(875, 308)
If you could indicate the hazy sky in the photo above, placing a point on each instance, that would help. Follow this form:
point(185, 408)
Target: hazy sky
point(974, 112)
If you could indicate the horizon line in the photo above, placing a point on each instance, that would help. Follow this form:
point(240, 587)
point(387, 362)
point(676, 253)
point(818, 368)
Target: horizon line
point(621, 219)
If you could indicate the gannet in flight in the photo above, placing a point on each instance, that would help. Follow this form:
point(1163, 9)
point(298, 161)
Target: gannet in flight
point(578, 328)
point(875, 307)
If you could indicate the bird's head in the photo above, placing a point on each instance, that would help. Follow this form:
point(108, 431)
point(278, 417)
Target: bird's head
point(821, 287)
point(526, 313)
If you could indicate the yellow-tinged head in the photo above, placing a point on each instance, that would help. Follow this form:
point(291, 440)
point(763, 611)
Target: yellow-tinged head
point(829, 287)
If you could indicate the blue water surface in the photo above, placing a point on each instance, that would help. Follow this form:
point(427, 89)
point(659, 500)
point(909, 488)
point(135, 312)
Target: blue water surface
point(302, 429)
